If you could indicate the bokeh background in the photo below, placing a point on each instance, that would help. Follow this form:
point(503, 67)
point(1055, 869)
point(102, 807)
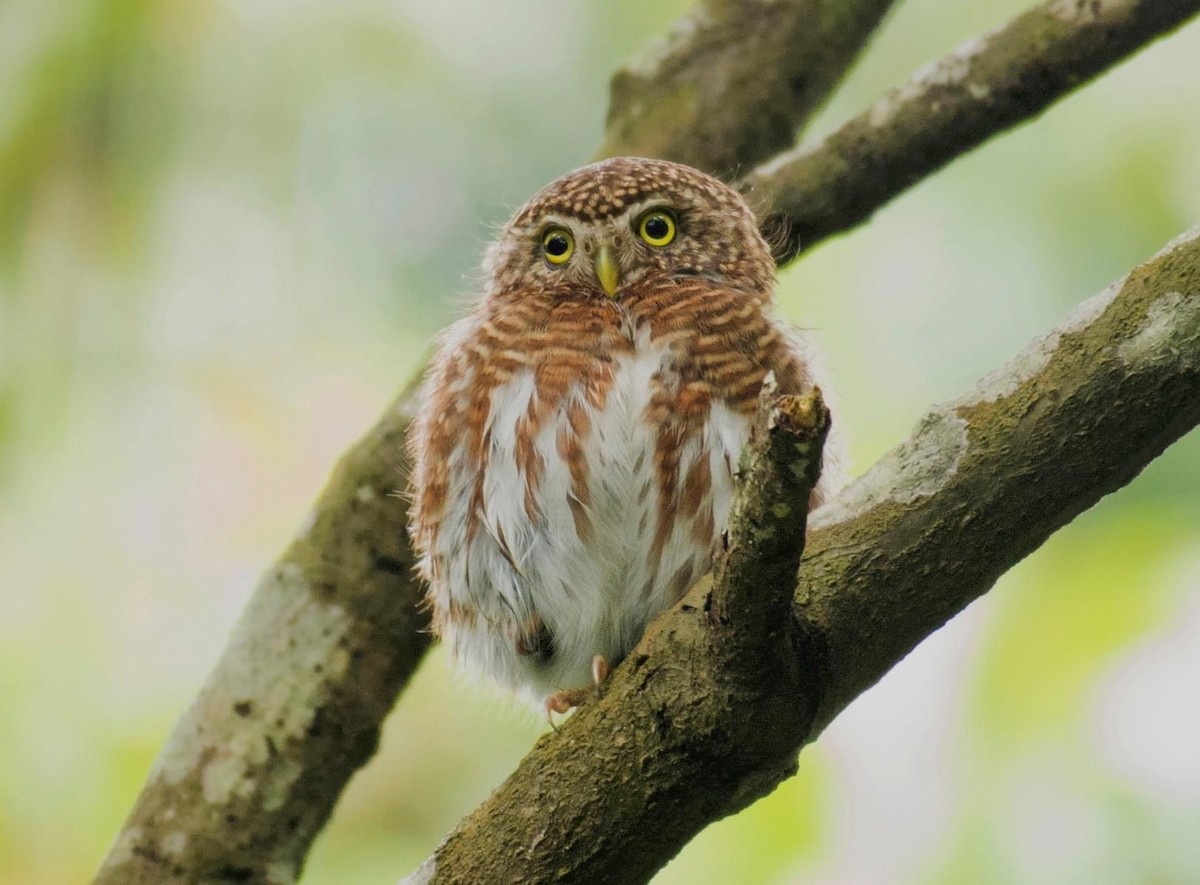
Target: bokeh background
point(227, 232)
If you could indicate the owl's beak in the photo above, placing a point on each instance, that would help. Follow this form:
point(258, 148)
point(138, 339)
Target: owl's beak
point(608, 272)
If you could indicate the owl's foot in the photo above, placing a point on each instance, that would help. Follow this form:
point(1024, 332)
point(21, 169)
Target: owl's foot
point(600, 670)
point(563, 701)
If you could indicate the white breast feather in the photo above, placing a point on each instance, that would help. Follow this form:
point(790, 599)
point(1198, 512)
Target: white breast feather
point(590, 596)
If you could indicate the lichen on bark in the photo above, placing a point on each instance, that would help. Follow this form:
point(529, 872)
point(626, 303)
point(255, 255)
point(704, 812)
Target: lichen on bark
point(989, 84)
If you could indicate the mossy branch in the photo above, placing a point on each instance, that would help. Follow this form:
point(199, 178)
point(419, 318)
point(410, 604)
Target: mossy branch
point(735, 80)
point(687, 733)
point(333, 632)
point(776, 474)
point(988, 85)
point(985, 479)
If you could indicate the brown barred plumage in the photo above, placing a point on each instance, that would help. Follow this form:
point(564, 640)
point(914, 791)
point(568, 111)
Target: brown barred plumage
point(577, 436)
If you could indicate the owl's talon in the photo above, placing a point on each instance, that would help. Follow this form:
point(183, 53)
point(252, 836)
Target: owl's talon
point(564, 701)
point(600, 670)
point(561, 702)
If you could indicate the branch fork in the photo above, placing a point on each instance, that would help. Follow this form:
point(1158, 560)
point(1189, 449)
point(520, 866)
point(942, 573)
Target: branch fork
point(704, 717)
point(777, 472)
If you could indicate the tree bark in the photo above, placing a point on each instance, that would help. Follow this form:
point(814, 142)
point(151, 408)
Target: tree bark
point(685, 734)
point(988, 85)
point(294, 706)
point(705, 713)
point(735, 80)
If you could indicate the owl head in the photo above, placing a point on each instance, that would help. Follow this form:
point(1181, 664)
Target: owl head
point(606, 230)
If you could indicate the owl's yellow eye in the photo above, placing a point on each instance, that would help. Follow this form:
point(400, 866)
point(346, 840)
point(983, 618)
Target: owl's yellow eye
point(657, 227)
point(558, 245)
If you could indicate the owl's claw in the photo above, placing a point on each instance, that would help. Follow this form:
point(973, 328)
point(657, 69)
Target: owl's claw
point(600, 670)
point(563, 701)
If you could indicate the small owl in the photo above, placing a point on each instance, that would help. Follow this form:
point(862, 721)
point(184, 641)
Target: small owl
point(578, 433)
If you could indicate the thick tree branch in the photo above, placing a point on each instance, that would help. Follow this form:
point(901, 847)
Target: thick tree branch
point(983, 88)
point(704, 715)
point(683, 736)
point(335, 629)
point(294, 706)
point(1075, 416)
point(736, 80)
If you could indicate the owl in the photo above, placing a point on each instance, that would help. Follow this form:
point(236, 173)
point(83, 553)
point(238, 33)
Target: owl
point(579, 429)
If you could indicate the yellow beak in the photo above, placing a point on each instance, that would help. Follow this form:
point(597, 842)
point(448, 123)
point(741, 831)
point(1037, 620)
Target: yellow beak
point(608, 272)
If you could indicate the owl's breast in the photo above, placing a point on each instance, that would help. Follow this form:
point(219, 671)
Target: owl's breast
point(608, 499)
point(581, 490)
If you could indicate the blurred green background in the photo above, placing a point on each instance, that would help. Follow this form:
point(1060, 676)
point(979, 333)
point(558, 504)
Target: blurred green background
point(227, 231)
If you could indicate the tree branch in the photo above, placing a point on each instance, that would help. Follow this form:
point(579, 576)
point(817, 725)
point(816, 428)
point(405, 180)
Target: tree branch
point(992, 475)
point(776, 474)
point(294, 706)
point(683, 736)
point(986, 86)
point(700, 718)
point(736, 80)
